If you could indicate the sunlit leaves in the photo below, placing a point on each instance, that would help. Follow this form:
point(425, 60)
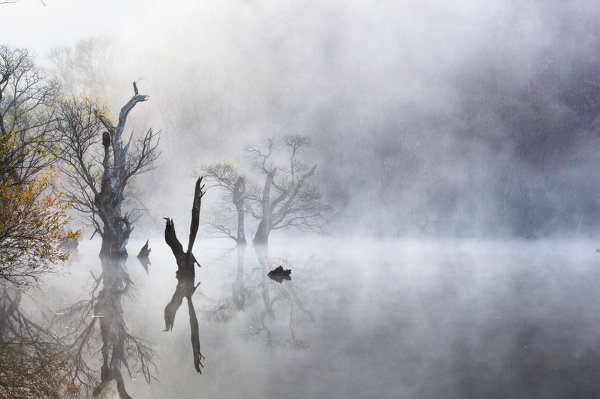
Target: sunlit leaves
point(31, 228)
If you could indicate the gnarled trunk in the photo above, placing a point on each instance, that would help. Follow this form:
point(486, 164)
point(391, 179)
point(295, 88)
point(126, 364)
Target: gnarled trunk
point(116, 174)
point(264, 226)
point(239, 192)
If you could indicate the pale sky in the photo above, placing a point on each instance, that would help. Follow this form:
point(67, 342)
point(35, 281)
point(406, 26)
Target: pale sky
point(60, 23)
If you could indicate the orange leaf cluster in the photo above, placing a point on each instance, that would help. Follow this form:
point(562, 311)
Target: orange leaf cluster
point(32, 225)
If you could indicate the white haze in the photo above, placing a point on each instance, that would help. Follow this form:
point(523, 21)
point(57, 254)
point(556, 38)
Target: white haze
point(377, 85)
point(476, 317)
point(407, 319)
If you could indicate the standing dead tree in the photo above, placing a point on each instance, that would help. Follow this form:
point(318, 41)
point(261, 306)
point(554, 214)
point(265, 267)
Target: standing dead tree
point(99, 179)
point(225, 176)
point(186, 275)
point(287, 199)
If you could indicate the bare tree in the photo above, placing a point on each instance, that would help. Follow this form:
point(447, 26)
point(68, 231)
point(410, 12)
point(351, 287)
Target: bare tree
point(27, 116)
point(186, 275)
point(287, 198)
point(32, 212)
point(98, 180)
point(226, 176)
point(88, 66)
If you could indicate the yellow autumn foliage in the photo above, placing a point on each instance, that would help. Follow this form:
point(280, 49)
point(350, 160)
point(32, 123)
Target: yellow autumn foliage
point(32, 220)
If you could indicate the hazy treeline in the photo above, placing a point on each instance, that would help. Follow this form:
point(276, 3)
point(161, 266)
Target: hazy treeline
point(468, 119)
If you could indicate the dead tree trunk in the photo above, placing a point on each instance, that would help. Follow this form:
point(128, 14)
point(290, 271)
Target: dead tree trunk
point(116, 173)
point(185, 275)
point(239, 192)
point(264, 226)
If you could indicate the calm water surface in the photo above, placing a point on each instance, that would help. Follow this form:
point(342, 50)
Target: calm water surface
point(359, 319)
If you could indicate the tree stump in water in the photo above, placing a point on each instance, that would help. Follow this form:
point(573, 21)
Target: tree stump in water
point(186, 275)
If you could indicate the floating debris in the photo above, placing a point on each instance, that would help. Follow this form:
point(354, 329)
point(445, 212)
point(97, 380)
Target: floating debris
point(279, 274)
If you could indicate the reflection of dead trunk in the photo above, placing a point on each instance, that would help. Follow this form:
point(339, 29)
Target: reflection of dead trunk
point(112, 326)
point(185, 288)
point(145, 251)
point(144, 256)
point(119, 347)
point(237, 288)
point(145, 262)
point(185, 275)
point(262, 255)
point(195, 336)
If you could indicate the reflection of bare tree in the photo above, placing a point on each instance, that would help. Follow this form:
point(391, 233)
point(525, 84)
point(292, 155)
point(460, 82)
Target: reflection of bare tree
point(263, 259)
point(284, 294)
point(119, 348)
point(186, 275)
point(238, 293)
point(237, 302)
point(32, 359)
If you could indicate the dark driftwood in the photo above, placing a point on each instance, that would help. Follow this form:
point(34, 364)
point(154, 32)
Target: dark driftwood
point(145, 251)
point(186, 275)
point(279, 274)
point(144, 257)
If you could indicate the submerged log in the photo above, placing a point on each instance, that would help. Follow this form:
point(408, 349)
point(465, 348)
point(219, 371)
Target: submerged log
point(279, 274)
point(145, 251)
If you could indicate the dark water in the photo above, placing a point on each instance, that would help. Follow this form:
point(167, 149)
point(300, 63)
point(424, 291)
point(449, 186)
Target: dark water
point(359, 319)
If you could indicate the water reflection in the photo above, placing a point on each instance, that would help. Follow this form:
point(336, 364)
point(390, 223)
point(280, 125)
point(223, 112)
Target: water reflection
point(228, 306)
point(386, 321)
point(145, 262)
point(27, 345)
point(289, 304)
point(144, 257)
point(238, 290)
point(103, 313)
point(186, 275)
point(273, 306)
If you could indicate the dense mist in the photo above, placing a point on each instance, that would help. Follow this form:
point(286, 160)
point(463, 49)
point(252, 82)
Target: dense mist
point(447, 151)
point(429, 118)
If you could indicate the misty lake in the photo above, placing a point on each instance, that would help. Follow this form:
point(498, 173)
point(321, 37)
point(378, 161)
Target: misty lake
point(361, 319)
